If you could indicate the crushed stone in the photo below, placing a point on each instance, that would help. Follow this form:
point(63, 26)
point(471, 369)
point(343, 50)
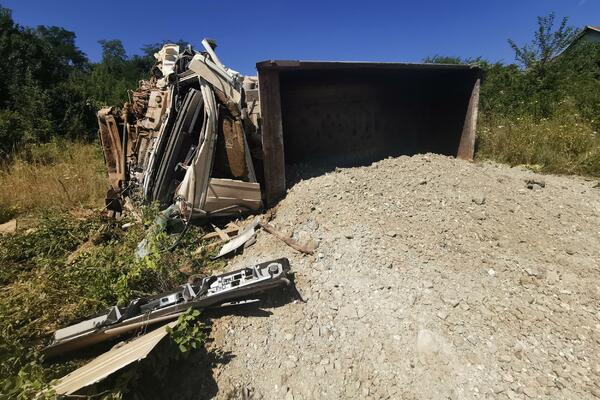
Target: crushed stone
point(471, 286)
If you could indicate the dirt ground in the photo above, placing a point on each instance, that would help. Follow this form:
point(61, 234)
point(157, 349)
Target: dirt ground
point(434, 278)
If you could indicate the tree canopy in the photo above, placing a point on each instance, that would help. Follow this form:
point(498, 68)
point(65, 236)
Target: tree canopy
point(49, 88)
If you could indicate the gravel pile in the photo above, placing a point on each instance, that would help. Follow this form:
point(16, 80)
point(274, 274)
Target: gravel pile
point(434, 278)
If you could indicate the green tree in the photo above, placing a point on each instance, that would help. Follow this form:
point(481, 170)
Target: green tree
point(110, 79)
point(42, 93)
point(547, 42)
point(439, 59)
point(63, 46)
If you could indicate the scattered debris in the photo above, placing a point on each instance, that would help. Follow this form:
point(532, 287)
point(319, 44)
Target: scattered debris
point(287, 240)
point(142, 312)
point(241, 239)
point(183, 138)
point(224, 236)
point(230, 228)
point(111, 361)
point(247, 237)
point(127, 225)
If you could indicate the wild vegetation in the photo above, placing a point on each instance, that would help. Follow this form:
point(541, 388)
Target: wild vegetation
point(56, 175)
point(65, 267)
point(49, 94)
point(543, 112)
point(50, 89)
point(66, 262)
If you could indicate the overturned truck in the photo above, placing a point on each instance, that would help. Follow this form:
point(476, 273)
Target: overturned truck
point(213, 142)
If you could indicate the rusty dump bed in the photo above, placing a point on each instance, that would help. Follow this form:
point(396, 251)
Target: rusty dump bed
point(350, 113)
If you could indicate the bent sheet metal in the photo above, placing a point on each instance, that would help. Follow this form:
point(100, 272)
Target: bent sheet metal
point(142, 312)
point(182, 138)
point(111, 361)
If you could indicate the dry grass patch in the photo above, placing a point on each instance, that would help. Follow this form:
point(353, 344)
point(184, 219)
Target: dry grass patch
point(59, 175)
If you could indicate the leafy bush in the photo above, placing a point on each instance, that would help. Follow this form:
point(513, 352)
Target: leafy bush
point(188, 334)
point(69, 268)
point(509, 91)
point(545, 111)
point(548, 117)
point(49, 88)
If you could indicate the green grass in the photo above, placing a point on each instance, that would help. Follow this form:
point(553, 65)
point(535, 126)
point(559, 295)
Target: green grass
point(563, 144)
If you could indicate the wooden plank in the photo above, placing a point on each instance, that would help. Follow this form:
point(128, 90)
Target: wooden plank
point(227, 231)
point(466, 148)
point(219, 232)
point(272, 135)
point(112, 148)
point(287, 240)
point(233, 225)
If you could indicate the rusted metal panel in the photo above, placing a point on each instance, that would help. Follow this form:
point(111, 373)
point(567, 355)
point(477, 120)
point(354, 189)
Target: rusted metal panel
point(235, 146)
point(466, 148)
point(111, 147)
point(294, 65)
point(272, 135)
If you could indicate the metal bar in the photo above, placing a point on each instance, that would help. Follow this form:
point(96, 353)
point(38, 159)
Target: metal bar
point(210, 292)
point(466, 148)
point(337, 65)
point(272, 134)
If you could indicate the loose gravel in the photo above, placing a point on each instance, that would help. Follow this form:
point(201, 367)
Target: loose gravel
point(434, 278)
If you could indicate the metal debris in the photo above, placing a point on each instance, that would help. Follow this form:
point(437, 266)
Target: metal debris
point(111, 361)
point(208, 292)
point(241, 239)
point(182, 138)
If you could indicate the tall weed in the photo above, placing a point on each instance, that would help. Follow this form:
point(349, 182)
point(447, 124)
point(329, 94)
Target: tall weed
point(565, 143)
point(56, 175)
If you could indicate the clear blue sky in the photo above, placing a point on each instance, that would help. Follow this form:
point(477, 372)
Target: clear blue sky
point(304, 29)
